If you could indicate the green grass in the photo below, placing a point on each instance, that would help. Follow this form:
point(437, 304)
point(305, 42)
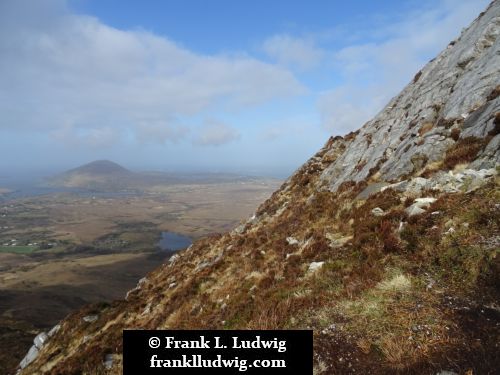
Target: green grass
point(17, 249)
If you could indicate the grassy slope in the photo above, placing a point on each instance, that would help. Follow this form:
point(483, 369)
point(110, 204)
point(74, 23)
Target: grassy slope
point(385, 301)
point(17, 249)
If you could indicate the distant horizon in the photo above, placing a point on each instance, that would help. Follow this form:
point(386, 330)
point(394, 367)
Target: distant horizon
point(28, 176)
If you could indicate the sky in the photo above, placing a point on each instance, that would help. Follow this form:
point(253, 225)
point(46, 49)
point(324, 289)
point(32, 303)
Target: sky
point(252, 87)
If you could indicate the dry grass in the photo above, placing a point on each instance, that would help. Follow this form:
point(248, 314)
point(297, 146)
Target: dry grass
point(494, 94)
point(425, 128)
point(398, 351)
point(386, 319)
point(417, 77)
point(373, 288)
point(463, 151)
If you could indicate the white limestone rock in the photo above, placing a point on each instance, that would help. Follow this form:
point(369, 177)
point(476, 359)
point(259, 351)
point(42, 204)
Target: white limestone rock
point(54, 330)
point(420, 205)
point(425, 202)
point(40, 340)
point(90, 318)
point(414, 210)
point(377, 211)
point(314, 266)
point(458, 81)
point(30, 357)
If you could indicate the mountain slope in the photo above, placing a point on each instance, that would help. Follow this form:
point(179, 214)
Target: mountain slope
point(104, 175)
point(385, 243)
point(99, 175)
point(100, 167)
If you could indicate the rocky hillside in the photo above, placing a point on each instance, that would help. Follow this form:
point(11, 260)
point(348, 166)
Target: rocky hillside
point(385, 243)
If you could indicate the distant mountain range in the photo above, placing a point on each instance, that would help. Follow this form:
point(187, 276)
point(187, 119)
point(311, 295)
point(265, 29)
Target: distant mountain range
point(105, 175)
point(97, 175)
point(99, 167)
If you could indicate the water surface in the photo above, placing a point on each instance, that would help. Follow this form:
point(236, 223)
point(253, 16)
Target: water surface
point(171, 241)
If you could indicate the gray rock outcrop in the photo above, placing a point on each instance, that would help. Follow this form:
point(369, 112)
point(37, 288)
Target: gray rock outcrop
point(456, 90)
point(38, 342)
point(30, 357)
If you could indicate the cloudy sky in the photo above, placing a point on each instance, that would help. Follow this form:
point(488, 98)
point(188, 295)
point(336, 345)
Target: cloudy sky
point(221, 85)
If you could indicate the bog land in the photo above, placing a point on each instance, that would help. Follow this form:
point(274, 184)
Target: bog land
point(62, 250)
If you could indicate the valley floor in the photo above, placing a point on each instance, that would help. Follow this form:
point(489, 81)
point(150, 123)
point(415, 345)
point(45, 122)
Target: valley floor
point(61, 251)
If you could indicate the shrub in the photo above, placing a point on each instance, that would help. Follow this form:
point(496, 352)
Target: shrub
point(494, 94)
point(411, 236)
point(426, 127)
point(360, 166)
point(496, 129)
point(318, 247)
point(417, 76)
point(390, 241)
point(463, 151)
point(455, 134)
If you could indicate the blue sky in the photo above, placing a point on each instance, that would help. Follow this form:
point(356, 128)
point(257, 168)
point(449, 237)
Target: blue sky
point(241, 86)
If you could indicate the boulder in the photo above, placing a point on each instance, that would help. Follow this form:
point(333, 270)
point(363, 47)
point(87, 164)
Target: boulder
point(314, 266)
point(90, 318)
point(420, 205)
point(414, 209)
point(425, 202)
point(108, 361)
point(40, 340)
point(377, 211)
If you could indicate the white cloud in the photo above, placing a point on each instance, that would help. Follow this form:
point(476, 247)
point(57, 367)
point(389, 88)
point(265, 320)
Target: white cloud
point(292, 126)
point(216, 133)
point(288, 50)
point(95, 138)
point(152, 131)
point(57, 68)
point(373, 72)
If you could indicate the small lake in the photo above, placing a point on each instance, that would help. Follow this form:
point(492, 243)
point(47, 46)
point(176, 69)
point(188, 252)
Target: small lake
point(171, 241)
